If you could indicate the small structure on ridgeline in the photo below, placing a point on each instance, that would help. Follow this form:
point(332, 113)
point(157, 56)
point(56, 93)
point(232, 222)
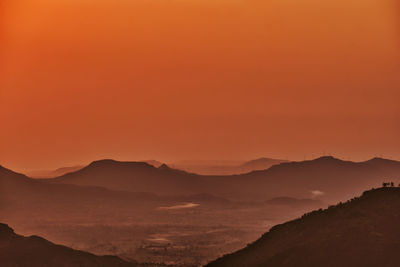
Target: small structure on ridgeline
point(390, 184)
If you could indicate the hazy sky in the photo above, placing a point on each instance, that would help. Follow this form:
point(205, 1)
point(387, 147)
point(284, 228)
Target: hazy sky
point(197, 79)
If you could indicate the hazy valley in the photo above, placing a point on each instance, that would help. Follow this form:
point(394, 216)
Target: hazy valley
point(164, 216)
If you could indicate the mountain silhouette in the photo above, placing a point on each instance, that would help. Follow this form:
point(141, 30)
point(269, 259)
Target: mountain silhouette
point(52, 173)
point(325, 178)
point(361, 232)
point(210, 167)
point(34, 251)
point(260, 164)
point(134, 177)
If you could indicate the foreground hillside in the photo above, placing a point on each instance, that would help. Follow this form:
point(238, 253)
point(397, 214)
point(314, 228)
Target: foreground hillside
point(16, 250)
point(361, 232)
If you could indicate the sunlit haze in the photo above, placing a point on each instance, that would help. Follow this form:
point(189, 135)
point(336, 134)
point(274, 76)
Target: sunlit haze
point(197, 79)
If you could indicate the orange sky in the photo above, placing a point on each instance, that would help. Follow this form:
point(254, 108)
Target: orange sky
point(197, 79)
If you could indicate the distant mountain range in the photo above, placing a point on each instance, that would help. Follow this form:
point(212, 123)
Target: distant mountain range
point(202, 167)
point(136, 186)
point(34, 251)
point(325, 178)
point(209, 167)
point(259, 164)
point(361, 232)
point(134, 177)
point(53, 173)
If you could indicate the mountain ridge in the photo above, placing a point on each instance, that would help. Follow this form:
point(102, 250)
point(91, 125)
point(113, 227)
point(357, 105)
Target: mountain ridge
point(218, 168)
point(327, 178)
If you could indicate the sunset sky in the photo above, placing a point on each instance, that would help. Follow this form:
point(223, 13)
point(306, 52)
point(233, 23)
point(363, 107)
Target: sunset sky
point(82, 80)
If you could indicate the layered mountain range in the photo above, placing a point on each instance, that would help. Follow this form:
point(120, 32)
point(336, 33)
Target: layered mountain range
point(328, 178)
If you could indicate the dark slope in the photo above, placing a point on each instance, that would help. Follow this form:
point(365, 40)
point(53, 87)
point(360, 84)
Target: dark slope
point(361, 232)
point(11, 183)
point(16, 250)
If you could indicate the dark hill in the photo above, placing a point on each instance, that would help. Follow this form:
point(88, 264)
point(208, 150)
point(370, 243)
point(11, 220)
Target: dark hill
point(16, 250)
point(132, 176)
point(362, 232)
